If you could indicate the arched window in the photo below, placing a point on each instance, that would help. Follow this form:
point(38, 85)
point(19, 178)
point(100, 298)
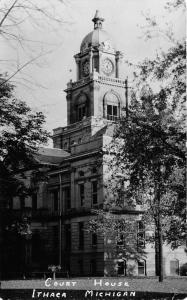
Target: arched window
point(111, 106)
point(142, 267)
point(81, 107)
point(122, 267)
point(141, 235)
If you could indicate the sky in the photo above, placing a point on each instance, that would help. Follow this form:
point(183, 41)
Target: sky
point(42, 82)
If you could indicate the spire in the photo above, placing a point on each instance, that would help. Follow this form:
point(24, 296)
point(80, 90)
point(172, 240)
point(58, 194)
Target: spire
point(97, 20)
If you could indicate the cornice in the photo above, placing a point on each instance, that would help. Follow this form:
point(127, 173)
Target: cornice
point(95, 77)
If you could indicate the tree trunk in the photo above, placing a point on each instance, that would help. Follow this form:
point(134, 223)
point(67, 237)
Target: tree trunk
point(160, 240)
point(156, 252)
point(160, 250)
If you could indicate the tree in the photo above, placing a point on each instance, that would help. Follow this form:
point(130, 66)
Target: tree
point(120, 232)
point(146, 163)
point(21, 134)
point(150, 147)
point(118, 219)
point(146, 159)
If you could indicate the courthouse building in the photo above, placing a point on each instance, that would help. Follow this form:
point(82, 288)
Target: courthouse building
point(61, 207)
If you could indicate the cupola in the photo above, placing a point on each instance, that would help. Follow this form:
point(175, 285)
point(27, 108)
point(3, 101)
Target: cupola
point(98, 37)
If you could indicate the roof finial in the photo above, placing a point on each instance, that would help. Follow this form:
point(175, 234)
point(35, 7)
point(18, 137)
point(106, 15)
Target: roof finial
point(97, 20)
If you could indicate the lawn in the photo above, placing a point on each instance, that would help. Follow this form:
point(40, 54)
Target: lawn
point(169, 285)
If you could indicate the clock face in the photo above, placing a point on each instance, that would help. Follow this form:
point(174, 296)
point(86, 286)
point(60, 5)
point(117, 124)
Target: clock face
point(86, 67)
point(107, 66)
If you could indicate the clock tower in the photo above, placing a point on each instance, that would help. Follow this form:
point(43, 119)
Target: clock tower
point(98, 91)
point(95, 102)
point(79, 183)
point(97, 53)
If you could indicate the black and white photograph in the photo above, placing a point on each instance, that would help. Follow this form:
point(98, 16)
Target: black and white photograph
point(92, 149)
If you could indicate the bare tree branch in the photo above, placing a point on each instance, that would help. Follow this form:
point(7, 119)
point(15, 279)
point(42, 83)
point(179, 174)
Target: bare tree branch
point(19, 14)
point(22, 67)
point(8, 12)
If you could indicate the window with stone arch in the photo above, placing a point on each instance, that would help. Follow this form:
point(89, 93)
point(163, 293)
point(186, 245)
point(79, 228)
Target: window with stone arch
point(111, 106)
point(142, 267)
point(122, 267)
point(81, 107)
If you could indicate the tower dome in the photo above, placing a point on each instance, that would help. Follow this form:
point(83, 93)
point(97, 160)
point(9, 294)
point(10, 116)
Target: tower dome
point(97, 37)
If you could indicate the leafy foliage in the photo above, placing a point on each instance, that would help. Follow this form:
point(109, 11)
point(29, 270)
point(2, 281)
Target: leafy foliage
point(21, 229)
point(152, 153)
point(21, 133)
point(145, 162)
point(120, 233)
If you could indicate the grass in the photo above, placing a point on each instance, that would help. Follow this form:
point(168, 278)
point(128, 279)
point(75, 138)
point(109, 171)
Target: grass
point(169, 285)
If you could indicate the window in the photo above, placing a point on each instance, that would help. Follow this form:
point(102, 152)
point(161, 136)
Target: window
point(141, 240)
point(55, 196)
point(142, 267)
point(68, 236)
point(121, 234)
point(112, 112)
point(141, 235)
point(94, 239)
point(120, 241)
point(94, 192)
point(93, 267)
point(81, 108)
point(174, 267)
point(81, 235)
point(81, 112)
point(122, 267)
point(81, 193)
point(141, 226)
point(67, 198)
point(111, 105)
point(34, 201)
